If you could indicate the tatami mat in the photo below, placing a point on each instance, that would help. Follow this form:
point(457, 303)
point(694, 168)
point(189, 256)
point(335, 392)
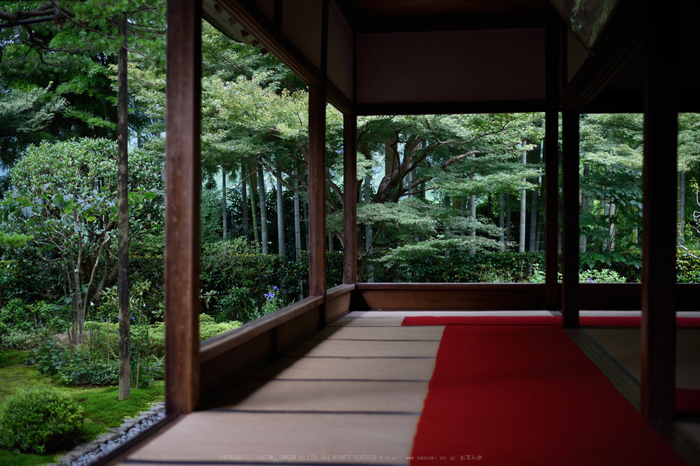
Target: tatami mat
point(368, 349)
point(328, 396)
point(353, 393)
point(207, 436)
point(394, 321)
point(349, 369)
point(624, 345)
point(380, 333)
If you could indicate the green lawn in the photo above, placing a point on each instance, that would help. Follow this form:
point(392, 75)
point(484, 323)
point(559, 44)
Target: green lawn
point(101, 405)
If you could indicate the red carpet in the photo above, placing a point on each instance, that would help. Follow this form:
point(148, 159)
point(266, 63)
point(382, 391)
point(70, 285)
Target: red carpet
point(526, 395)
point(681, 322)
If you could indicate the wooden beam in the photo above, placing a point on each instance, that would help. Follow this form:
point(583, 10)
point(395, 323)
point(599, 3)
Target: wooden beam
point(570, 219)
point(617, 44)
point(253, 20)
point(182, 198)
point(350, 199)
point(460, 22)
point(436, 108)
point(449, 296)
point(317, 179)
point(659, 228)
point(551, 163)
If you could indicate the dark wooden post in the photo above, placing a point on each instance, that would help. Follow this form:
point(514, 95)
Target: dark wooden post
point(350, 199)
point(570, 218)
point(551, 163)
point(317, 170)
point(659, 228)
point(182, 195)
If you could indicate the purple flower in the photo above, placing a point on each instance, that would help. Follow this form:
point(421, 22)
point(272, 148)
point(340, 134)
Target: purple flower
point(133, 318)
point(265, 295)
point(272, 295)
point(275, 287)
point(117, 317)
point(590, 280)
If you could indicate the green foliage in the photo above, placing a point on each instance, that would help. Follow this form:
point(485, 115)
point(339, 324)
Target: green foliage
point(40, 421)
point(22, 340)
point(208, 328)
point(687, 267)
point(14, 240)
point(241, 276)
point(65, 194)
point(600, 276)
point(12, 358)
point(461, 267)
point(102, 407)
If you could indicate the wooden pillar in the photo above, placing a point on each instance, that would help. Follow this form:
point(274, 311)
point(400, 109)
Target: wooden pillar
point(551, 164)
point(659, 227)
point(350, 199)
point(317, 170)
point(570, 218)
point(182, 199)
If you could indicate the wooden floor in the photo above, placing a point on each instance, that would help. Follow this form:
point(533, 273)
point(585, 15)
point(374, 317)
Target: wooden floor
point(352, 394)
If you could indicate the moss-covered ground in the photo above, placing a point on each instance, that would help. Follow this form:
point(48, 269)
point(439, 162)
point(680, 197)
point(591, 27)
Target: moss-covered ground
point(101, 405)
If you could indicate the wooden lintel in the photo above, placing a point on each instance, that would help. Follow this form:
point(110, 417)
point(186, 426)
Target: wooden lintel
point(253, 20)
point(570, 219)
point(659, 222)
point(350, 199)
point(471, 22)
point(436, 108)
point(182, 206)
point(339, 100)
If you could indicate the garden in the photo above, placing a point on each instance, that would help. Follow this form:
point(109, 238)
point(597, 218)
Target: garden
point(441, 198)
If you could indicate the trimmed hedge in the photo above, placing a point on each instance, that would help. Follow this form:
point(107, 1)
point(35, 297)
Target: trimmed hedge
point(40, 421)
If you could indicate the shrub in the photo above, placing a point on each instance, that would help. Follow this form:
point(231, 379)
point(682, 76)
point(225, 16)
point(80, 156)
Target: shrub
point(40, 421)
point(21, 340)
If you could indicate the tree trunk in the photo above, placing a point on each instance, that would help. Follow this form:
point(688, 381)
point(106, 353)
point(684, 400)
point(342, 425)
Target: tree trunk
point(123, 219)
point(472, 214)
point(280, 211)
point(368, 233)
point(306, 224)
point(533, 221)
point(508, 212)
point(263, 210)
point(297, 231)
point(501, 219)
point(584, 207)
point(253, 214)
point(223, 191)
point(244, 203)
point(523, 210)
point(681, 209)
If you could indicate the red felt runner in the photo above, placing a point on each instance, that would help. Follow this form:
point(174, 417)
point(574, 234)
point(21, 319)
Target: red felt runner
point(586, 321)
point(526, 395)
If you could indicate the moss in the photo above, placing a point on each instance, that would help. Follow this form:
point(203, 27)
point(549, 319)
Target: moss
point(104, 410)
point(20, 377)
point(13, 357)
point(101, 405)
